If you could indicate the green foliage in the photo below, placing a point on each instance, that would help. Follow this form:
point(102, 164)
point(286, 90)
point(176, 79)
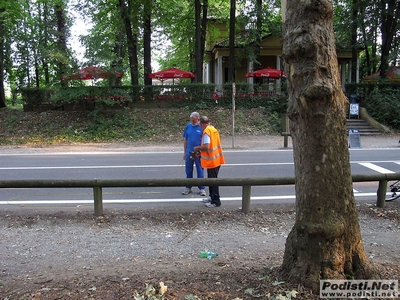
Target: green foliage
point(190, 96)
point(100, 95)
point(123, 125)
point(11, 120)
point(384, 106)
point(36, 95)
point(381, 99)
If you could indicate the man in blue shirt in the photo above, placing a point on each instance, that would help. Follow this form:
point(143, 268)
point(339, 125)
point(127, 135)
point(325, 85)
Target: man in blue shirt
point(192, 138)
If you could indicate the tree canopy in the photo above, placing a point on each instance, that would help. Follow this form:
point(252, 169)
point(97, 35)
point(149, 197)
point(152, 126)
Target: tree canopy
point(36, 48)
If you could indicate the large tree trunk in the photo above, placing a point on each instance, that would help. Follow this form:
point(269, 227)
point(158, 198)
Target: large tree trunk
point(325, 241)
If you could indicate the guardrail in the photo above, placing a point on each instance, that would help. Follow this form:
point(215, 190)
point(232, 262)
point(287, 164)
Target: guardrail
point(245, 183)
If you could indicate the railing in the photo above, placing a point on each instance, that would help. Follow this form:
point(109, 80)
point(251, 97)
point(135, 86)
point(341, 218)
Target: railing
point(245, 183)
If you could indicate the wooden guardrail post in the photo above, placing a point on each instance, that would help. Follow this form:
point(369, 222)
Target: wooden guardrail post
point(245, 183)
point(285, 129)
point(381, 193)
point(98, 201)
point(246, 193)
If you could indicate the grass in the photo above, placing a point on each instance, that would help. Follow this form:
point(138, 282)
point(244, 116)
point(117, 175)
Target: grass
point(125, 125)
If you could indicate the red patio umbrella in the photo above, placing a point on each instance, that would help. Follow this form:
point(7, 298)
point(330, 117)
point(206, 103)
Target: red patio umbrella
point(171, 73)
point(267, 73)
point(91, 72)
point(393, 74)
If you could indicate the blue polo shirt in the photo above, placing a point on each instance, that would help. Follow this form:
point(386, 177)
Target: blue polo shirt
point(193, 136)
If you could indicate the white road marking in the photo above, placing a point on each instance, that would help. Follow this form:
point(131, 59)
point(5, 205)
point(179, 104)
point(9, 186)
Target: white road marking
point(369, 165)
point(132, 166)
point(130, 153)
point(376, 168)
point(170, 200)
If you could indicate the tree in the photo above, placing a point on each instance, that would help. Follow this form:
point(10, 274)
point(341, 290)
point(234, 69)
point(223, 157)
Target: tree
point(390, 14)
point(147, 41)
point(131, 37)
point(325, 241)
point(200, 33)
point(232, 18)
point(354, 40)
point(61, 38)
point(2, 50)
point(9, 16)
point(259, 22)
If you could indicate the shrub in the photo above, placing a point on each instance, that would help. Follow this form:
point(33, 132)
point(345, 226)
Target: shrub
point(384, 106)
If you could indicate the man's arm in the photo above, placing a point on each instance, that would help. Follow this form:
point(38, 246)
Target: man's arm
point(203, 147)
point(205, 144)
point(184, 148)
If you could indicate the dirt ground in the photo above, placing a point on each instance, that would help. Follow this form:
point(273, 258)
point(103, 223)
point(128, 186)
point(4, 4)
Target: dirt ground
point(69, 254)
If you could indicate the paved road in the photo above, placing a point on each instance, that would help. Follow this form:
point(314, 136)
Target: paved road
point(169, 164)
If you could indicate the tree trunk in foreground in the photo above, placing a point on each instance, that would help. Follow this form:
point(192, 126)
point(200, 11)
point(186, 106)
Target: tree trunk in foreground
point(325, 242)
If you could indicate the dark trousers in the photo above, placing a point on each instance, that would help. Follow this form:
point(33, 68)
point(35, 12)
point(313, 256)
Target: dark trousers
point(214, 190)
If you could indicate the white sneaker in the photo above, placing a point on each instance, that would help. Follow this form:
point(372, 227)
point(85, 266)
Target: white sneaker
point(210, 204)
point(187, 191)
point(203, 192)
point(206, 200)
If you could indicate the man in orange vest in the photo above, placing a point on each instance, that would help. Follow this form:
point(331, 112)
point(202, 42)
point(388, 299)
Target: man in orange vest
point(211, 158)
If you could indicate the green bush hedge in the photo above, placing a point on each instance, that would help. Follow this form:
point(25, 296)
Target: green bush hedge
point(194, 96)
point(381, 99)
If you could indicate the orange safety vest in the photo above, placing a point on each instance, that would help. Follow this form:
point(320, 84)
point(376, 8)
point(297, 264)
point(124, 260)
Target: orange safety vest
point(213, 157)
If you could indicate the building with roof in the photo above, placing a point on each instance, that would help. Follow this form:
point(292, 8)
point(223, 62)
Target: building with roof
point(217, 55)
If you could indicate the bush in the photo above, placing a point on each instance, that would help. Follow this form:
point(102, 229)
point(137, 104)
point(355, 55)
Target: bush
point(384, 106)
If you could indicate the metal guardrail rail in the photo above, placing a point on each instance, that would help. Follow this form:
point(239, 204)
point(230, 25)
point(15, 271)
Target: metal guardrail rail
point(245, 183)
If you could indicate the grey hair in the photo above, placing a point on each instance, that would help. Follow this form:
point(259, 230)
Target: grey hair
point(195, 114)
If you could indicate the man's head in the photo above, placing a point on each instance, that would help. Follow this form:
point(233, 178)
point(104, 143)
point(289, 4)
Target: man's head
point(204, 122)
point(194, 118)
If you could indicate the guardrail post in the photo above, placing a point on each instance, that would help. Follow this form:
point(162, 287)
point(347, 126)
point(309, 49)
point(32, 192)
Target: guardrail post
point(246, 192)
point(285, 129)
point(381, 193)
point(98, 201)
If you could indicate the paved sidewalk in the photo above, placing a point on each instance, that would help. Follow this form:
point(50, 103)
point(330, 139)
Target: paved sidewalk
point(240, 142)
point(276, 142)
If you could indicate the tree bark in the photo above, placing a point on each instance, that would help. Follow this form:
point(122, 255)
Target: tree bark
point(354, 40)
point(325, 242)
point(2, 50)
point(257, 48)
point(232, 21)
point(390, 13)
point(204, 19)
point(197, 42)
point(147, 42)
point(131, 41)
point(62, 39)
